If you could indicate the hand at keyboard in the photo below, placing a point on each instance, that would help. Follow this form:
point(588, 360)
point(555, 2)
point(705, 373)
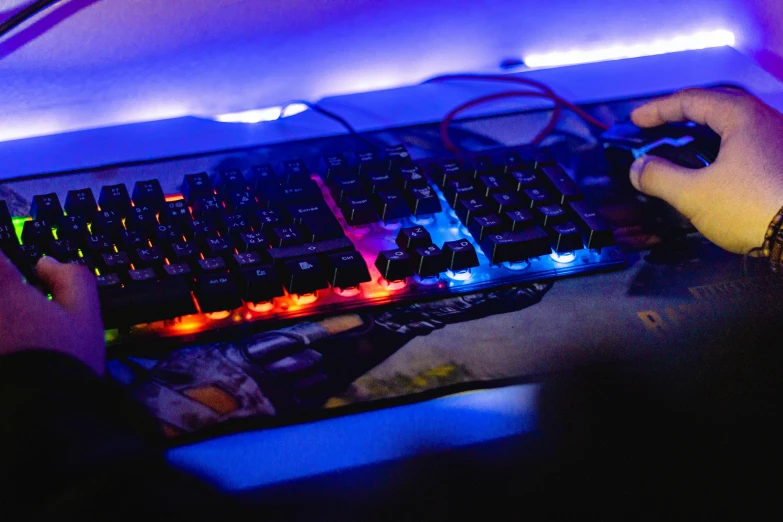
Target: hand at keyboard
point(70, 323)
point(733, 200)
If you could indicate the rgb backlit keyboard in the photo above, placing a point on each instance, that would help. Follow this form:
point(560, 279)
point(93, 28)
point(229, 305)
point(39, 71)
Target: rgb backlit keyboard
point(270, 241)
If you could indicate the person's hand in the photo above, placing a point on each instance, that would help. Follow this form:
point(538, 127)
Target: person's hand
point(70, 323)
point(732, 201)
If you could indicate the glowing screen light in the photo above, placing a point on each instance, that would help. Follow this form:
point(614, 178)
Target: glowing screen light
point(257, 115)
point(702, 40)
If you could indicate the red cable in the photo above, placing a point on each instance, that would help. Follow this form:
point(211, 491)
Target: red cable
point(444, 125)
point(524, 81)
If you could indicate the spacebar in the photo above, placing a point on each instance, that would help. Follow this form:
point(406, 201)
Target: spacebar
point(146, 302)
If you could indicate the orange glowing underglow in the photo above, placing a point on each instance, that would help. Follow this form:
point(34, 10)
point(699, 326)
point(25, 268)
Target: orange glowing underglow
point(258, 308)
point(173, 197)
point(393, 285)
point(217, 316)
point(188, 324)
point(304, 299)
point(348, 292)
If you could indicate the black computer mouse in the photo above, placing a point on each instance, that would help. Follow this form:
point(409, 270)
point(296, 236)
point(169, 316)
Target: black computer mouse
point(686, 144)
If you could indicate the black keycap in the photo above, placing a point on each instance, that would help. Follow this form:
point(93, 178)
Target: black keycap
point(143, 220)
point(180, 270)
point(379, 182)
point(149, 194)
point(280, 237)
point(196, 186)
point(503, 202)
point(410, 177)
point(391, 205)
point(295, 171)
point(259, 284)
point(236, 224)
point(397, 155)
point(423, 201)
point(321, 249)
point(167, 234)
point(303, 276)
point(492, 184)
point(149, 257)
point(263, 177)
point(536, 197)
point(516, 246)
point(108, 223)
point(320, 227)
point(536, 158)
point(523, 179)
point(266, 219)
point(460, 255)
point(146, 303)
point(428, 261)
point(358, 210)
point(442, 173)
point(46, 207)
point(207, 207)
point(302, 192)
point(83, 261)
point(27, 257)
point(63, 250)
point(108, 281)
point(117, 262)
point(218, 247)
point(245, 260)
point(566, 237)
point(565, 188)
point(299, 212)
point(116, 199)
point(72, 227)
point(342, 186)
point(211, 265)
point(8, 239)
point(368, 161)
point(175, 211)
point(346, 270)
point(334, 165)
point(412, 237)
point(241, 202)
point(512, 160)
point(37, 233)
point(251, 242)
point(481, 226)
point(130, 240)
point(394, 265)
point(598, 233)
point(202, 230)
point(467, 209)
point(98, 244)
point(550, 215)
point(456, 190)
point(142, 275)
point(81, 203)
point(517, 220)
point(481, 166)
point(230, 180)
point(186, 252)
point(5, 215)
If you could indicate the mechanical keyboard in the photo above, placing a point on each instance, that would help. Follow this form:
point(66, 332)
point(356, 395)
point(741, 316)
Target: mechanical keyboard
point(256, 243)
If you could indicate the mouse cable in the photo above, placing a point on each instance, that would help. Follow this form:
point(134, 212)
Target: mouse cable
point(329, 114)
point(24, 14)
point(545, 89)
point(449, 118)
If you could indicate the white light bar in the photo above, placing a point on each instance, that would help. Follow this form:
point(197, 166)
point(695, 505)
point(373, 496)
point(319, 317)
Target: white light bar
point(703, 40)
point(257, 115)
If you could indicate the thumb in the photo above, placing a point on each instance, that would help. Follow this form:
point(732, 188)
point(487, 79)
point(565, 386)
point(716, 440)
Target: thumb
point(663, 179)
point(72, 286)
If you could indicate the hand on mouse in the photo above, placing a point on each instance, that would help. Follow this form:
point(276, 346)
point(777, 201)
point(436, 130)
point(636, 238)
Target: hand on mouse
point(70, 323)
point(732, 201)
